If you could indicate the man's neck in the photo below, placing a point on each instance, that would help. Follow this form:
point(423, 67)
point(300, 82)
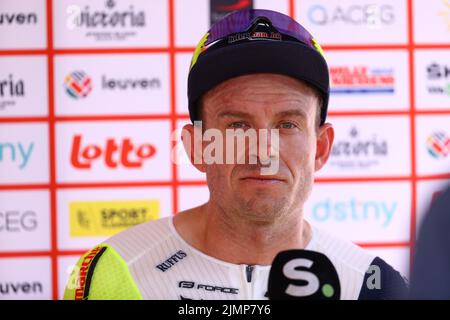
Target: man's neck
point(241, 241)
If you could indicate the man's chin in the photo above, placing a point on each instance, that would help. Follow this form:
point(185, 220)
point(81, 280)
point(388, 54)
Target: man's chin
point(268, 210)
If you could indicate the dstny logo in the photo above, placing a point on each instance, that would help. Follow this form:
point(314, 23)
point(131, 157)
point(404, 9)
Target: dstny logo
point(114, 153)
point(10, 89)
point(106, 218)
point(355, 211)
point(18, 153)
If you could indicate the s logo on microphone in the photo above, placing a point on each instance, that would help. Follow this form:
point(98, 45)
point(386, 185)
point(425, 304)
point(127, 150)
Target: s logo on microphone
point(303, 275)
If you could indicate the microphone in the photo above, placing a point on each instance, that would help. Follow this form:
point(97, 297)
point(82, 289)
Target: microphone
point(303, 275)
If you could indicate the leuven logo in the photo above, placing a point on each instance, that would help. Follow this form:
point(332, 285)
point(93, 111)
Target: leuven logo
point(78, 84)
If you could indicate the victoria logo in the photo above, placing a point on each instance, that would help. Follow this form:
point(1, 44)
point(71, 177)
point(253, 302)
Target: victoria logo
point(108, 18)
point(439, 77)
point(438, 144)
point(115, 154)
point(362, 80)
point(220, 8)
point(78, 84)
point(10, 90)
point(357, 152)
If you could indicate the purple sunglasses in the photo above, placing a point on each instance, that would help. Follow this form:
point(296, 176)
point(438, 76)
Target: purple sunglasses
point(241, 21)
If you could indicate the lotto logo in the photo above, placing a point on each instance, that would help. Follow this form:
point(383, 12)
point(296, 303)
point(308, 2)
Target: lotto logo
point(78, 84)
point(115, 154)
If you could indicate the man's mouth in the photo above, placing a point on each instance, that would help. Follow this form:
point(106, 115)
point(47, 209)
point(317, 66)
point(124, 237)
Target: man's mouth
point(263, 179)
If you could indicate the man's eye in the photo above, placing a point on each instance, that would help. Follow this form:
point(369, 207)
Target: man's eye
point(237, 125)
point(287, 125)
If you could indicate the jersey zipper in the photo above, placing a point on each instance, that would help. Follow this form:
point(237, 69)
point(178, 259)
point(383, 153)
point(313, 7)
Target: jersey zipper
point(248, 279)
point(249, 270)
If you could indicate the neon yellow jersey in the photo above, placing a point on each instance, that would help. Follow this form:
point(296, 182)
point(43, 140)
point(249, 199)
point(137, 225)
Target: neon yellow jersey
point(101, 273)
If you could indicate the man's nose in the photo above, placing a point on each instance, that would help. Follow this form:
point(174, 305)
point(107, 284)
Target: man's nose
point(267, 146)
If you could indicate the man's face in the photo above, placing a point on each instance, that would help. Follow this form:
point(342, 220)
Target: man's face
point(266, 101)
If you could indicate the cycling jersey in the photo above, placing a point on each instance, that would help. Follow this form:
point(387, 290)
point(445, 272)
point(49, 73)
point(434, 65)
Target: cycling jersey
point(152, 261)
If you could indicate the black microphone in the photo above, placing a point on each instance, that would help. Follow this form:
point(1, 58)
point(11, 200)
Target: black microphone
point(303, 275)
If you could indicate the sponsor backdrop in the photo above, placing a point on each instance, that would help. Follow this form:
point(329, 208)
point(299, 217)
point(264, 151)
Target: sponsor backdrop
point(91, 91)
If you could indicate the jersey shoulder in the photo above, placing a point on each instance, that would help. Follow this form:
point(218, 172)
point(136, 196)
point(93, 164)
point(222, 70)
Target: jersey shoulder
point(344, 254)
point(104, 271)
point(101, 274)
point(362, 275)
point(138, 241)
point(383, 282)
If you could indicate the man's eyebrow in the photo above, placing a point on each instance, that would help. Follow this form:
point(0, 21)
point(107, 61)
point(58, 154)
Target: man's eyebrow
point(292, 113)
point(241, 114)
point(233, 113)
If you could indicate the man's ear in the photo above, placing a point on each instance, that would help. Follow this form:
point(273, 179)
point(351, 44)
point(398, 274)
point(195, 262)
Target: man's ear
point(325, 138)
point(193, 145)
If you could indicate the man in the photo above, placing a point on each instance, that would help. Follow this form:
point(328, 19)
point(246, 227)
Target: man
point(430, 278)
point(254, 71)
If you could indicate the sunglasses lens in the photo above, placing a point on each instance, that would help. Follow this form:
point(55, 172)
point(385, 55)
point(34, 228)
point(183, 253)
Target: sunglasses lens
point(241, 21)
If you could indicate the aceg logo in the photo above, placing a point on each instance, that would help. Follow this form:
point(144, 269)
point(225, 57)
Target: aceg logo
point(106, 218)
point(373, 16)
point(15, 221)
point(78, 84)
point(115, 153)
point(438, 144)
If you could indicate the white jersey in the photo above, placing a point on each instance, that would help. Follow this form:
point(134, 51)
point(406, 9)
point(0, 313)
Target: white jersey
point(164, 266)
point(152, 261)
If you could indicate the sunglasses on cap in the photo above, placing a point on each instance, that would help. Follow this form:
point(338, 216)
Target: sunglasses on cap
point(254, 24)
